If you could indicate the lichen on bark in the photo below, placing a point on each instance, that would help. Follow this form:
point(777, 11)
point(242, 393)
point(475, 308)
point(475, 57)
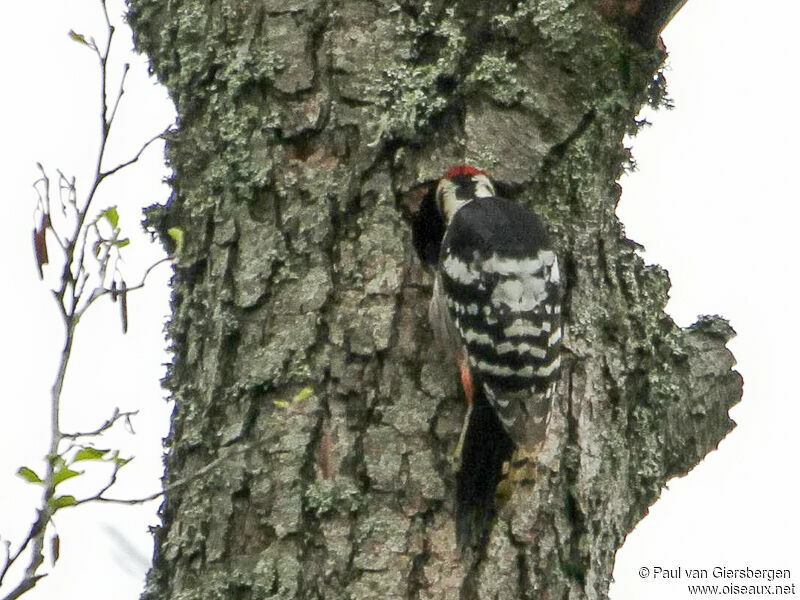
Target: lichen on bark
point(299, 307)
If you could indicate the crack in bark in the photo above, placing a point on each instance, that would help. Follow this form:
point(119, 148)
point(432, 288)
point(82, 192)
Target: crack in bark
point(558, 151)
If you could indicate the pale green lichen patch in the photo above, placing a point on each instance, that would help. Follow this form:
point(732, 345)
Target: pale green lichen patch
point(277, 572)
point(410, 92)
point(324, 496)
point(497, 76)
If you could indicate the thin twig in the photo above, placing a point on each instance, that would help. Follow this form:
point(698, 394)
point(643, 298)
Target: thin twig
point(116, 416)
point(24, 586)
point(120, 93)
point(32, 533)
point(7, 545)
point(112, 480)
point(103, 291)
point(144, 147)
point(181, 482)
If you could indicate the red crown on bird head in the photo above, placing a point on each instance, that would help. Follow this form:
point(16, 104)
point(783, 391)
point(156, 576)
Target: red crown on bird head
point(462, 170)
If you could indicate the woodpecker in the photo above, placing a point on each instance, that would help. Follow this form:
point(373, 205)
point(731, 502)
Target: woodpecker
point(496, 312)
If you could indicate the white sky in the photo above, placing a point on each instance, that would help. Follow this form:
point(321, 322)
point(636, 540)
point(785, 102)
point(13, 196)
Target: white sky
point(714, 201)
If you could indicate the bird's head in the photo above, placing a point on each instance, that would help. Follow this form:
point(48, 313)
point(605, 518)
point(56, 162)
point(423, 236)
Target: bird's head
point(460, 185)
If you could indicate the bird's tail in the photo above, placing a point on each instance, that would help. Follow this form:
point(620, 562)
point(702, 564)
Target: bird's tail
point(486, 447)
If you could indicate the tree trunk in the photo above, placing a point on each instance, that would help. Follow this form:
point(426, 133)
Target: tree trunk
point(304, 372)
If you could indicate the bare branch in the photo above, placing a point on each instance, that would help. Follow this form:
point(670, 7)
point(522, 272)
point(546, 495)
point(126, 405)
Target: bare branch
point(144, 147)
point(44, 201)
point(43, 198)
point(181, 482)
point(7, 545)
point(25, 585)
point(112, 480)
point(120, 93)
point(116, 416)
point(104, 72)
point(80, 284)
point(36, 530)
point(100, 292)
point(93, 45)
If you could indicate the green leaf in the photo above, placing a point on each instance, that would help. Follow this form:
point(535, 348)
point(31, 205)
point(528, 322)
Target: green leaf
point(90, 454)
point(176, 233)
point(122, 461)
point(61, 502)
point(303, 394)
point(122, 243)
point(112, 215)
point(29, 475)
point(78, 37)
point(63, 475)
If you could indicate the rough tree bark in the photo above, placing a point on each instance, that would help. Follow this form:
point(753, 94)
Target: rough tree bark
point(303, 361)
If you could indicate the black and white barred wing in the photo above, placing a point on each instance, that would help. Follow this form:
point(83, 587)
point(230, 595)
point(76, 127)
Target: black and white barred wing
point(507, 312)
